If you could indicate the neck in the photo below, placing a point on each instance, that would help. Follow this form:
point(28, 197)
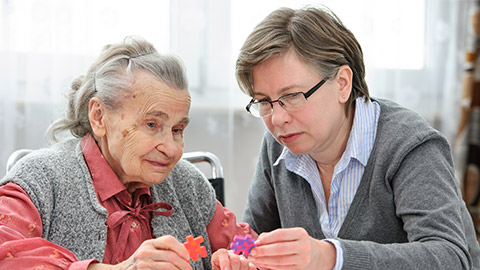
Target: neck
point(132, 186)
point(327, 159)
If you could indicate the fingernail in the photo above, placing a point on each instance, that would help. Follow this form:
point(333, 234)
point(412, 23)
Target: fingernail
point(253, 253)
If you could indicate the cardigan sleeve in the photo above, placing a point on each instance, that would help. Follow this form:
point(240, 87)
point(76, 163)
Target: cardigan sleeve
point(21, 242)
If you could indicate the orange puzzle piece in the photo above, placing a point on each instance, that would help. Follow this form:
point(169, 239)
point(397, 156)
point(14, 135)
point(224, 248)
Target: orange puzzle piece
point(194, 248)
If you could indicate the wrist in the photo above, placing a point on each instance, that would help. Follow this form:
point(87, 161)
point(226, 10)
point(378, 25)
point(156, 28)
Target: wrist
point(328, 254)
point(100, 266)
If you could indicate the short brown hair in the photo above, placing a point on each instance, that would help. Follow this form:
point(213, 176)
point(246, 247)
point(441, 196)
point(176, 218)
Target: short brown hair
point(315, 34)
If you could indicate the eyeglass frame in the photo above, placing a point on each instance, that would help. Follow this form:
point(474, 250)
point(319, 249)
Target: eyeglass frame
point(306, 95)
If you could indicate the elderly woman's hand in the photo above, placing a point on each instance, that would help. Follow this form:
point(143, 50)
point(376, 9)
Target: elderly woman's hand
point(164, 252)
point(226, 259)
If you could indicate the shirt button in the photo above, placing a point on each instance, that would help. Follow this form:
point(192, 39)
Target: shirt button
point(224, 222)
point(134, 224)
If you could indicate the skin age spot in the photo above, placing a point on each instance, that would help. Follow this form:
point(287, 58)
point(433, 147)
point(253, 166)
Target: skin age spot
point(127, 131)
point(123, 116)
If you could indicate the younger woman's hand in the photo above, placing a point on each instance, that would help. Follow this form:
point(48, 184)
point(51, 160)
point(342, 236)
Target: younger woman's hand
point(292, 249)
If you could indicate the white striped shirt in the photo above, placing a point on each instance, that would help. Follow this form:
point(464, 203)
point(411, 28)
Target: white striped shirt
point(347, 172)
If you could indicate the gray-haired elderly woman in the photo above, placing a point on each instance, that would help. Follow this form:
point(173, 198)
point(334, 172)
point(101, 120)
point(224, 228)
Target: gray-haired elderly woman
point(118, 193)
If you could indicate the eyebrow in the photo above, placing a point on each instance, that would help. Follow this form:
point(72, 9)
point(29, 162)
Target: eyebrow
point(158, 114)
point(185, 121)
point(282, 90)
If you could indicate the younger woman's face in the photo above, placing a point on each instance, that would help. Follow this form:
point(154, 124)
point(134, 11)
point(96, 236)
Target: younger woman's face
point(311, 129)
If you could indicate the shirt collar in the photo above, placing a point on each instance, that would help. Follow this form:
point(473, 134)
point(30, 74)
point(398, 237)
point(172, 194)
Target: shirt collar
point(104, 179)
point(286, 154)
point(362, 136)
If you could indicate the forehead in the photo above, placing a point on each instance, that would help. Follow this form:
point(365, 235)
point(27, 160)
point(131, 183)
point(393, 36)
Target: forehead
point(151, 96)
point(144, 81)
point(287, 63)
point(282, 73)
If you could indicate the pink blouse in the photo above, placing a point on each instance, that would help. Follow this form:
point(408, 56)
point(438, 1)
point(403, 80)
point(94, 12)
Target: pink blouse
point(128, 222)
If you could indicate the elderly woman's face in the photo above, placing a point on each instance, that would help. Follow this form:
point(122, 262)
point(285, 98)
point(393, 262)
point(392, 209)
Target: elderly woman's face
point(144, 138)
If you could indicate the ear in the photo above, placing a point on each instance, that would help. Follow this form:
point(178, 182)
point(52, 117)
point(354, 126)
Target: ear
point(96, 116)
point(344, 79)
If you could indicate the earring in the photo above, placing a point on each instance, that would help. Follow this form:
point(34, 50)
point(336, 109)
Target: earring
point(343, 97)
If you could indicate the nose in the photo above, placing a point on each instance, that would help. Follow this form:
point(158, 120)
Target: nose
point(168, 146)
point(279, 115)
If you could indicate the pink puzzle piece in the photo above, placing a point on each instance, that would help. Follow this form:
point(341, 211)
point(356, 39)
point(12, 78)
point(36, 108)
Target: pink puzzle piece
point(242, 245)
point(194, 248)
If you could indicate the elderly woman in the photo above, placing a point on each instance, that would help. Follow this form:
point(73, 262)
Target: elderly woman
point(343, 180)
point(118, 193)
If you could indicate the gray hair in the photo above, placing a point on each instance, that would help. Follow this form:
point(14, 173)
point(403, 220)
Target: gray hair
point(315, 34)
point(110, 78)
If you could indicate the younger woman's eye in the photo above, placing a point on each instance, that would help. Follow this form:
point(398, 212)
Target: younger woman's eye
point(263, 100)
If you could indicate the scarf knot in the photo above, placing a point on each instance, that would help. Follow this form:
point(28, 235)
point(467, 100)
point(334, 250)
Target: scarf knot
point(125, 219)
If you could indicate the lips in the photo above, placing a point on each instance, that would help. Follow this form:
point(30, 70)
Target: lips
point(289, 138)
point(158, 163)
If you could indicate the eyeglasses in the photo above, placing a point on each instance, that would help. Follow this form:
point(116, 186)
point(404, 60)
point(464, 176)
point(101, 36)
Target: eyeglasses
point(289, 102)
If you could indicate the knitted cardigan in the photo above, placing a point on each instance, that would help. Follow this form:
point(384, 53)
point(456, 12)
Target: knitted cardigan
point(58, 182)
point(407, 213)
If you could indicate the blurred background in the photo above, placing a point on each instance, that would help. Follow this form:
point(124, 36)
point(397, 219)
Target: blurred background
point(419, 53)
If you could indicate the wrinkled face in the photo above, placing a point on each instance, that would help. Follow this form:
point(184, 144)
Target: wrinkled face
point(144, 138)
point(311, 129)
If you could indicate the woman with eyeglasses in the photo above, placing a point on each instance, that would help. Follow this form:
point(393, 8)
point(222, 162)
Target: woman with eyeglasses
point(343, 181)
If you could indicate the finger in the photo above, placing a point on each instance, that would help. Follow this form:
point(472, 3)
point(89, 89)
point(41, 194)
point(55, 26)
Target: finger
point(281, 235)
point(251, 266)
point(239, 262)
point(235, 260)
point(148, 254)
point(220, 260)
point(244, 263)
point(167, 265)
point(286, 262)
point(168, 242)
point(278, 249)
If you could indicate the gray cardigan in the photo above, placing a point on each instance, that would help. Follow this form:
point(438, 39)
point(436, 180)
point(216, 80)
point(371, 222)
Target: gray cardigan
point(408, 212)
point(58, 181)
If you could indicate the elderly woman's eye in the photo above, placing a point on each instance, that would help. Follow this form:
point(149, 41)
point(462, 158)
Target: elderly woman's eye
point(177, 131)
point(151, 125)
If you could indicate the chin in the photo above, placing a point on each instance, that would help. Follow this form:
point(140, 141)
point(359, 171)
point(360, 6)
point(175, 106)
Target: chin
point(157, 178)
point(297, 150)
